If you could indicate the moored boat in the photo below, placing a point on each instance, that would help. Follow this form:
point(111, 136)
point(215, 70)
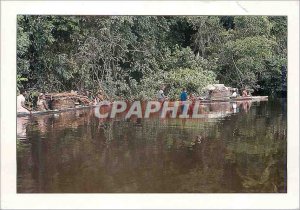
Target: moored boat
point(46, 112)
point(248, 98)
point(170, 104)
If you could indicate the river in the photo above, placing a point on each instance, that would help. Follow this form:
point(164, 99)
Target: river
point(236, 148)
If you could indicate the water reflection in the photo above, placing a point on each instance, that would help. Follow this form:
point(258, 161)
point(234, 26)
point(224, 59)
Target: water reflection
point(21, 127)
point(237, 147)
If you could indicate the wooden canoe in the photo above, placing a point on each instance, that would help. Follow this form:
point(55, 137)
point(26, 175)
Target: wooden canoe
point(21, 114)
point(248, 98)
point(170, 104)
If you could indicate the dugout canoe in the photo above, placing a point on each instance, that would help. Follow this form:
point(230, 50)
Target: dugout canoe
point(47, 112)
point(248, 98)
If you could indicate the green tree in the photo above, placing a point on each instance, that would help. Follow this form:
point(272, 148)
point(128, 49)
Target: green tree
point(129, 56)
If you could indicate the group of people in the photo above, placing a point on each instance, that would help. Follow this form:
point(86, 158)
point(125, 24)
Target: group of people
point(21, 106)
point(42, 104)
point(161, 97)
point(245, 93)
point(100, 96)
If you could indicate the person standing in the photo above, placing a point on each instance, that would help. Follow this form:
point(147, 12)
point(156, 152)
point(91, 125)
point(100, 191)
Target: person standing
point(183, 97)
point(234, 94)
point(42, 103)
point(245, 93)
point(21, 102)
point(160, 95)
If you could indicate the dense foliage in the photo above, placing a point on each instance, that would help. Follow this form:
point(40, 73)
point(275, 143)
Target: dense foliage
point(131, 56)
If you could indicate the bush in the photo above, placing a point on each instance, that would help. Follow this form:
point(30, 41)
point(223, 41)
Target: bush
point(194, 80)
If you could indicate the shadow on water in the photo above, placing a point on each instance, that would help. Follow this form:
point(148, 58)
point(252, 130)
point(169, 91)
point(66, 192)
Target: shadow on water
point(236, 148)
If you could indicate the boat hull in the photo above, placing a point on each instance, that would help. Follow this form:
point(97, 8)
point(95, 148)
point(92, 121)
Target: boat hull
point(250, 98)
point(48, 112)
point(170, 104)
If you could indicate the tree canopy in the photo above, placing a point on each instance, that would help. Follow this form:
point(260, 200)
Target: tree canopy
point(131, 56)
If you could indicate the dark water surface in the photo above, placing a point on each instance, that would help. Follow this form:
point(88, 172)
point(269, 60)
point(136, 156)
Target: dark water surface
point(230, 150)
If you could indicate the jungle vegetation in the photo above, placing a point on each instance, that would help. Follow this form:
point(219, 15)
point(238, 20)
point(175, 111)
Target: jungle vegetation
point(131, 56)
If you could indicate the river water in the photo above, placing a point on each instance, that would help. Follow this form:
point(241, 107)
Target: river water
point(235, 148)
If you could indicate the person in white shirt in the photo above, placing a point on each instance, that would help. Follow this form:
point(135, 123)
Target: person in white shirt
point(21, 102)
point(160, 95)
point(234, 94)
